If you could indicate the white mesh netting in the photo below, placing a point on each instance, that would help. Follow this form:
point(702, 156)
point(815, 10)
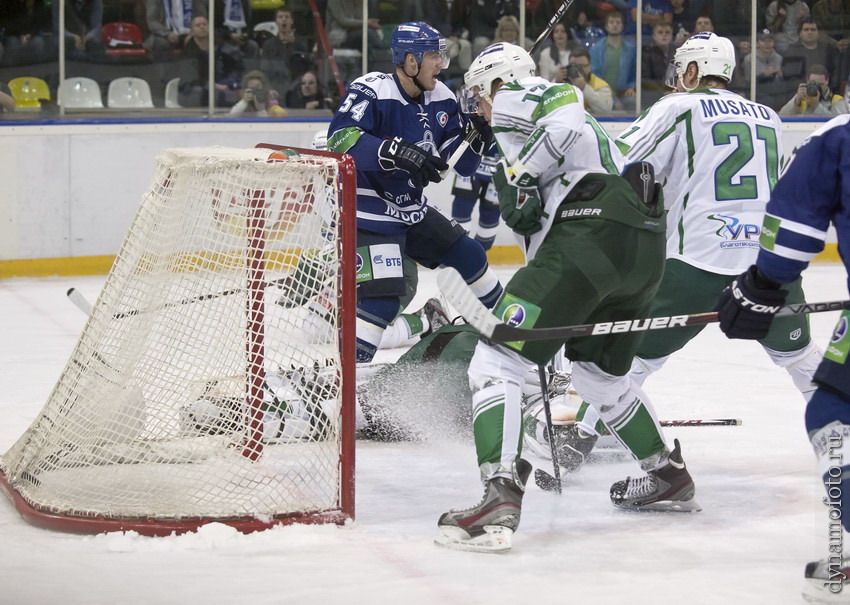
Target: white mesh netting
point(207, 381)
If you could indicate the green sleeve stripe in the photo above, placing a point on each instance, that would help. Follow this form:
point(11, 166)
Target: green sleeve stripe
point(531, 142)
point(681, 226)
point(343, 140)
point(624, 149)
point(689, 139)
point(604, 144)
point(553, 98)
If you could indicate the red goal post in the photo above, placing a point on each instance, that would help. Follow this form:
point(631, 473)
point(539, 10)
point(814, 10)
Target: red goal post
point(201, 389)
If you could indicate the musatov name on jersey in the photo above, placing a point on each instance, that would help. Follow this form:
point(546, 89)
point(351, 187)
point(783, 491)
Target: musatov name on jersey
point(711, 108)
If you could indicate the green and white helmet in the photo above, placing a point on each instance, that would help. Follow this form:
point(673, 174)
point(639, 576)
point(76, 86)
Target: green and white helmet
point(714, 56)
point(499, 61)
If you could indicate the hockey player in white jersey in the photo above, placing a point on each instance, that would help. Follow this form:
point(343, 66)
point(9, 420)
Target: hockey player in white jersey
point(596, 252)
point(719, 154)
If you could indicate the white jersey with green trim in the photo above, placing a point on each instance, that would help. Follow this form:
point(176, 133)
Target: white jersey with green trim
point(545, 126)
point(718, 156)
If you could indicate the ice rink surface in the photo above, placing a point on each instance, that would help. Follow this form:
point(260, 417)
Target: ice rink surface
point(762, 517)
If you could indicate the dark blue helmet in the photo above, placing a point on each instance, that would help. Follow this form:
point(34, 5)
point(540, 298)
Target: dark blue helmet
point(417, 38)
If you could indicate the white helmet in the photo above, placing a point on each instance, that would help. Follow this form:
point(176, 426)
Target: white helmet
point(499, 61)
point(714, 56)
point(320, 141)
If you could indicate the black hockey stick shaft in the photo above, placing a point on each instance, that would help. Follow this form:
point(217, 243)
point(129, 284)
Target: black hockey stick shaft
point(85, 306)
point(553, 21)
point(467, 304)
point(550, 433)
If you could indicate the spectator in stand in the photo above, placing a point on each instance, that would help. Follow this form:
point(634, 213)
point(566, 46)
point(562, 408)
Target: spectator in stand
point(483, 17)
point(169, 24)
point(703, 24)
point(613, 59)
point(285, 56)
point(783, 19)
point(584, 32)
point(507, 30)
point(345, 26)
point(833, 19)
point(25, 22)
point(810, 49)
point(232, 27)
point(308, 94)
point(654, 11)
point(194, 79)
point(257, 96)
point(656, 59)
point(598, 98)
point(553, 61)
point(768, 61)
point(814, 98)
point(83, 22)
point(7, 102)
point(449, 20)
point(685, 13)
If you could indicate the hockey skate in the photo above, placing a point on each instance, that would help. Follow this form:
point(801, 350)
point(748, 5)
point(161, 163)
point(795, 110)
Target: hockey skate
point(435, 313)
point(488, 526)
point(668, 489)
point(827, 581)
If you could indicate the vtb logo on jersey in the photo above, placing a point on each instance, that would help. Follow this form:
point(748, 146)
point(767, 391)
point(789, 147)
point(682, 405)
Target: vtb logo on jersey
point(736, 233)
point(442, 118)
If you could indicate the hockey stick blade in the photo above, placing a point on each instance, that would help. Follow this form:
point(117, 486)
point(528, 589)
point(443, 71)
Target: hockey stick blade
point(546, 482)
point(80, 301)
point(468, 305)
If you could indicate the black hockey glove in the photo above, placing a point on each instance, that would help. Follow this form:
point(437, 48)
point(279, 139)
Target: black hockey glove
point(520, 203)
point(479, 134)
point(748, 306)
point(398, 154)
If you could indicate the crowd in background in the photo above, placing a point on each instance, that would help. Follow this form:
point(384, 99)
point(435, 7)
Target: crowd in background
point(268, 60)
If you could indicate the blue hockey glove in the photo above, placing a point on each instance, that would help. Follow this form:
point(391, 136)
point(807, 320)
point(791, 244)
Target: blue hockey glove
point(748, 306)
point(479, 134)
point(398, 154)
point(520, 203)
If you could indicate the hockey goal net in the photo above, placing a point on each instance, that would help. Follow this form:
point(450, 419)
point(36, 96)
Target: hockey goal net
point(202, 388)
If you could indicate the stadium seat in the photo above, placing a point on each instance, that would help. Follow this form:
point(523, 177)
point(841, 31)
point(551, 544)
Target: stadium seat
point(28, 93)
point(79, 93)
point(129, 93)
point(171, 90)
point(122, 40)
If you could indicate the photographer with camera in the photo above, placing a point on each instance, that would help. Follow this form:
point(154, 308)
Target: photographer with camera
point(814, 98)
point(598, 98)
point(257, 97)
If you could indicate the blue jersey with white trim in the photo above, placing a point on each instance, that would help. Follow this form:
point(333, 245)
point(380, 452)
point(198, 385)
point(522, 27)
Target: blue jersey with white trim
point(377, 108)
point(813, 190)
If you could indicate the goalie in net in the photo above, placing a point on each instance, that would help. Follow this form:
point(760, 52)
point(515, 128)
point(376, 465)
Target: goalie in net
point(157, 422)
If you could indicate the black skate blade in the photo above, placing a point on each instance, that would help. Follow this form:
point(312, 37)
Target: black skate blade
point(545, 481)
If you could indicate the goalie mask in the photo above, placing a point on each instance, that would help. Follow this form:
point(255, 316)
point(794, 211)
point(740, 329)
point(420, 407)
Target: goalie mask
point(713, 55)
point(499, 61)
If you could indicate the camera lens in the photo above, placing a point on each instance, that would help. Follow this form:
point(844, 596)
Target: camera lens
point(573, 72)
point(812, 89)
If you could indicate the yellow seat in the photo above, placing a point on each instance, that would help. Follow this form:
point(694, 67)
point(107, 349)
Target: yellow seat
point(28, 93)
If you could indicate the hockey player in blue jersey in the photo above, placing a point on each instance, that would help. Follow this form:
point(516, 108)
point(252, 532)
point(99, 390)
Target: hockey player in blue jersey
point(400, 128)
point(478, 188)
point(813, 191)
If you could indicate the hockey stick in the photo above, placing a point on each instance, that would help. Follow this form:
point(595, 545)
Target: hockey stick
point(461, 149)
point(547, 410)
point(553, 21)
point(482, 319)
point(548, 483)
point(86, 307)
point(80, 301)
